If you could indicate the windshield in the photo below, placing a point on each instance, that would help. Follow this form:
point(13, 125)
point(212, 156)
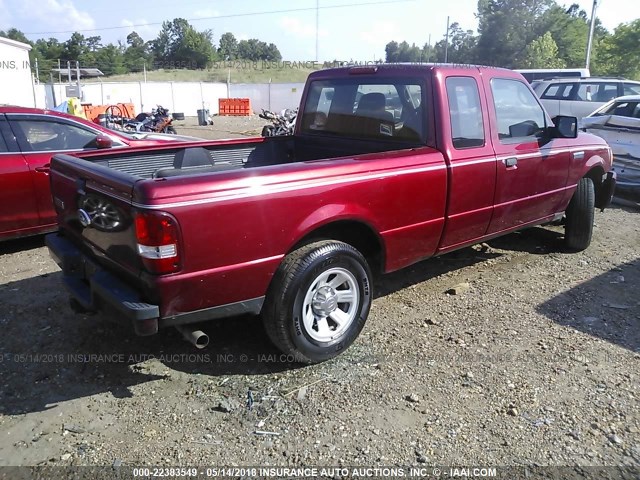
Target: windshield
point(380, 109)
point(622, 109)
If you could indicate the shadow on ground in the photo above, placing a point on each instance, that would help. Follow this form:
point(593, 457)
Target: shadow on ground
point(606, 306)
point(21, 244)
point(50, 355)
point(538, 240)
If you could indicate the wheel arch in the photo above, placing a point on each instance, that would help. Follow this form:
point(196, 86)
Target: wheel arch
point(597, 174)
point(357, 233)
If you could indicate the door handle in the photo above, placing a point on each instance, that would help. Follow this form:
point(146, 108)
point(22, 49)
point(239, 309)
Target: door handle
point(511, 162)
point(43, 169)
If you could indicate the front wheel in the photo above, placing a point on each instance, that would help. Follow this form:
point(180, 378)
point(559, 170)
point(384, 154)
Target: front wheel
point(580, 212)
point(318, 301)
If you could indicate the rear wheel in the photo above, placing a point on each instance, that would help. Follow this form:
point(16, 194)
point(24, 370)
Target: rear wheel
point(580, 212)
point(318, 301)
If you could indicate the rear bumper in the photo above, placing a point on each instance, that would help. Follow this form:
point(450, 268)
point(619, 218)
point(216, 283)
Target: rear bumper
point(95, 289)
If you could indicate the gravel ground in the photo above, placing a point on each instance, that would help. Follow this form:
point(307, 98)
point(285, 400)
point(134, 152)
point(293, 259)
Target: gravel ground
point(508, 353)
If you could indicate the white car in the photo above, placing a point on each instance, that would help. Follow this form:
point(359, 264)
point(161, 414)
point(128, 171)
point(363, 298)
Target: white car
point(618, 122)
point(578, 97)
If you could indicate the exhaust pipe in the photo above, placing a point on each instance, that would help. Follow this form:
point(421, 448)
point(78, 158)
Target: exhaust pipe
point(197, 338)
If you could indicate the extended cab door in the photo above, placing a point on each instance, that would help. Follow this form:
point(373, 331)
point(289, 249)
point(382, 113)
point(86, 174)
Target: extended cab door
point(532, 173)
point(472, 161)
point(18, 208)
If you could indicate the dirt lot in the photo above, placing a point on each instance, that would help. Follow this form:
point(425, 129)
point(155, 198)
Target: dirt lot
point(533, 361)
point(223, 127)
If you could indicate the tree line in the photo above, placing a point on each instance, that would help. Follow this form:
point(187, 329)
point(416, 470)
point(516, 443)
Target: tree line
point(531, 34)
point(511, 34)
point(178, 45)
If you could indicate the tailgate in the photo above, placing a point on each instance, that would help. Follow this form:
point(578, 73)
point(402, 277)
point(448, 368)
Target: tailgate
point(93, 205)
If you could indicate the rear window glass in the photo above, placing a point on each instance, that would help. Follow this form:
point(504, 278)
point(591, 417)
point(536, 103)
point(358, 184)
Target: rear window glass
point(379, 109)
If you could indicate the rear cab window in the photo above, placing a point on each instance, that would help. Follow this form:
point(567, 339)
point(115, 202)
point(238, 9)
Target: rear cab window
point(391, 109)
point(465, 112)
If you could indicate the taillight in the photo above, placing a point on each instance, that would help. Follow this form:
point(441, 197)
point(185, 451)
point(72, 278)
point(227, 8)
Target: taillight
point(157, 235)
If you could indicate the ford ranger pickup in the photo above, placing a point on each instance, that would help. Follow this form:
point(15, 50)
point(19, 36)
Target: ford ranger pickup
point(388, 165)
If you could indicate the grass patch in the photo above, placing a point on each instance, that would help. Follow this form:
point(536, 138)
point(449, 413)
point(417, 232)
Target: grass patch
point(248, 73)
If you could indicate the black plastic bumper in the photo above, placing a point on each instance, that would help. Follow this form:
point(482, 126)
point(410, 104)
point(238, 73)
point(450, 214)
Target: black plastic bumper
point(95, 288)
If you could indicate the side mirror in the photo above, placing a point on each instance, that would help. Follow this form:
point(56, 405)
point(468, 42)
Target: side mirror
point(102, 141)
point(565, 127)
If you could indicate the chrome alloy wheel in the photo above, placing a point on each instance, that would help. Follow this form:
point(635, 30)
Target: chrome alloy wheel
point(103, 214)
point(330, 305)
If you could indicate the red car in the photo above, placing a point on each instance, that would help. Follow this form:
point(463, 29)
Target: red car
point(28, 139)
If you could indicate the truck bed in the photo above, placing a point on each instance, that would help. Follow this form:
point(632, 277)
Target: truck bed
point(198, 158)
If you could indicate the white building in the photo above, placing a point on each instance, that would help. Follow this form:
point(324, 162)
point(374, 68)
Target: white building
point(16, 81)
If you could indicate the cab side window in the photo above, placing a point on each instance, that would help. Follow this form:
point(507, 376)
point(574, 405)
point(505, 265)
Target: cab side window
point(465, 112)
point(518, 112)
point(41, 136)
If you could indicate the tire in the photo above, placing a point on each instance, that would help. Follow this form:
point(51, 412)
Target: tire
point(268, 131)
point(303, 301)
point(580, 212)
point(171, 130)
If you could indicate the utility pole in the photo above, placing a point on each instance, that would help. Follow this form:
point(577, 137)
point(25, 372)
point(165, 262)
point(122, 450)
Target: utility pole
point(446, 43)
point(37, 72)
point(317, 29)
point(591, 27)
point(78, 80)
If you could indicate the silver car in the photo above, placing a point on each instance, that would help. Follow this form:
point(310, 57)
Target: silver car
point(578, 97)
point(618, 122)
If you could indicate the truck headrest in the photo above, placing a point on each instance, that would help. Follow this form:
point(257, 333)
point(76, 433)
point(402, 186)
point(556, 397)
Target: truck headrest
point(192, 157)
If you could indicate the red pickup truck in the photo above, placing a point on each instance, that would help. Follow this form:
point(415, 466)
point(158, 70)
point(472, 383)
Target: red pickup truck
point(388, 165)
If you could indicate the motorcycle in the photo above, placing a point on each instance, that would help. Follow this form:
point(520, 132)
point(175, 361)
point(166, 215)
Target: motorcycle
point(283, 123)
point(158, 121)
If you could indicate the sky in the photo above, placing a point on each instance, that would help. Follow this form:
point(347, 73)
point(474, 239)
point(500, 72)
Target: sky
point(356, 30)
